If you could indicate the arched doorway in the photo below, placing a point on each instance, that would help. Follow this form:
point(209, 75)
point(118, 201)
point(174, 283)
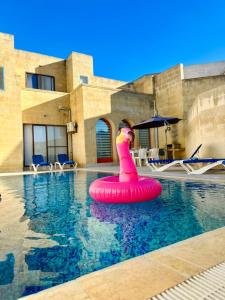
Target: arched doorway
point(103, 141)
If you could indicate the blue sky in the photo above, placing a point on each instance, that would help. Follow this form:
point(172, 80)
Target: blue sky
point(126, 38)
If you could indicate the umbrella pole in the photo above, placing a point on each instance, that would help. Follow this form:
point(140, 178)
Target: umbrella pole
point(156, 135)
point(156, 132)
point(166, 141)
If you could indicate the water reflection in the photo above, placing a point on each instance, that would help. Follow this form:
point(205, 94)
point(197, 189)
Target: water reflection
point(53, 209)
point(7, 269)
point(53, 232)
point(144, 227)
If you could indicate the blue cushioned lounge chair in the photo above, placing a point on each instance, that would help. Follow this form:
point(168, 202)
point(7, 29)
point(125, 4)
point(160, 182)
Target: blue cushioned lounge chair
point(160, 165)
point(63, 160)
point(38, 161)
point(187, 164)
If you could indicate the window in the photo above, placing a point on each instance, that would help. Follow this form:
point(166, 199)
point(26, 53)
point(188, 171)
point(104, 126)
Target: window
point(1, 78)
point(43, 82)
point(103, 141)
point(46, 140)
point(83, 79)
point(144, 138)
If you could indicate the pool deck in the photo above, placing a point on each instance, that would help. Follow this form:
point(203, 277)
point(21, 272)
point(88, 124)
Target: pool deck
point(142, 277)
point(174, 173)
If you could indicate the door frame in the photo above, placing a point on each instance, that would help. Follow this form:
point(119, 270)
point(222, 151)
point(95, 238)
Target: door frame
point(105, 159)
point(46, 136)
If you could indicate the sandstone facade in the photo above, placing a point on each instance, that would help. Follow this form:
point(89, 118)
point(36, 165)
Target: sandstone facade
point(178, 92)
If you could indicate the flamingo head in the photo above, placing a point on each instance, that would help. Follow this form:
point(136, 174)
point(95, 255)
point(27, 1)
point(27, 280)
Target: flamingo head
point(125, 134)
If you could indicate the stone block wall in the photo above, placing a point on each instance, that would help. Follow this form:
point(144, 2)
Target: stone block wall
point(145, 84)
point(114, 100)
point(204, 70)
point(106, 82)
point(77, 65)
point(206, 124)
point(77, 115)
point(20, 105)
point(193, 87)
point(11, 146)
point(92, 103)
point(28, 62)
point(42, 107)
point(169, 96)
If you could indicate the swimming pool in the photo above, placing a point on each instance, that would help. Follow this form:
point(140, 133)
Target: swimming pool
point(51, 231)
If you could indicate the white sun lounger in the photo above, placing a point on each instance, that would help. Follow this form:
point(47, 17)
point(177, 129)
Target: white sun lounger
point(156, 166)
point(211, 163)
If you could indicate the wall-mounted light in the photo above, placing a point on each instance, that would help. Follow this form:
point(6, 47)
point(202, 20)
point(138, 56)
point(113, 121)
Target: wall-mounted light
point(65, 109)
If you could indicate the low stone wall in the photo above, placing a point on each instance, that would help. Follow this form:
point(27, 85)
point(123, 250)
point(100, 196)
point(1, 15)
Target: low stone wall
point(206, 124)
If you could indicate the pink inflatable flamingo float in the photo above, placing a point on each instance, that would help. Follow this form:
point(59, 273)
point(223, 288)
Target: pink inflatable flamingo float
point(128, 186)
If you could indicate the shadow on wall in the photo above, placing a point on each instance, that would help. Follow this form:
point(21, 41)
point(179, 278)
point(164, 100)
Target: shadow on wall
point(143, 111)
point(47, 112)
point(58, 70)
point(206, 123)
point(122, 105)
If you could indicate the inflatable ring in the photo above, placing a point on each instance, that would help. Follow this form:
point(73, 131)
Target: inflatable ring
point(128, 187)
point(111, 190)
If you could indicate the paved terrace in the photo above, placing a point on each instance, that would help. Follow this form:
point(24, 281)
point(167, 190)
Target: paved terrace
point(142, 277)
point(172, 173)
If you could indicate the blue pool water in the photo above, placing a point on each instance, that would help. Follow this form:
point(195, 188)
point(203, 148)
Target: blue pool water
point(51, 231)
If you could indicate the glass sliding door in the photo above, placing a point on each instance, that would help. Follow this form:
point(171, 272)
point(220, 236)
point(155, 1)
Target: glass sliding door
point(39, 138)
point(57, 142)
point(28, 144)
point(46, 140)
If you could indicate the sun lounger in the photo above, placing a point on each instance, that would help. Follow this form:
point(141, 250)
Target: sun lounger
point(211, 163)
point(187, 164)
point(164, 164)
point(160, 165)
point(38, 161)
point(64, 160)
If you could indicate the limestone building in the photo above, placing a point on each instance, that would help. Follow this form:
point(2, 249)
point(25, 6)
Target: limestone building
point(40, 94)
point(50, 105)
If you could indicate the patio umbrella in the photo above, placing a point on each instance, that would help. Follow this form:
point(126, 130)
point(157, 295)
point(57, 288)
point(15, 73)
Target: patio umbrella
point(158, 121)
